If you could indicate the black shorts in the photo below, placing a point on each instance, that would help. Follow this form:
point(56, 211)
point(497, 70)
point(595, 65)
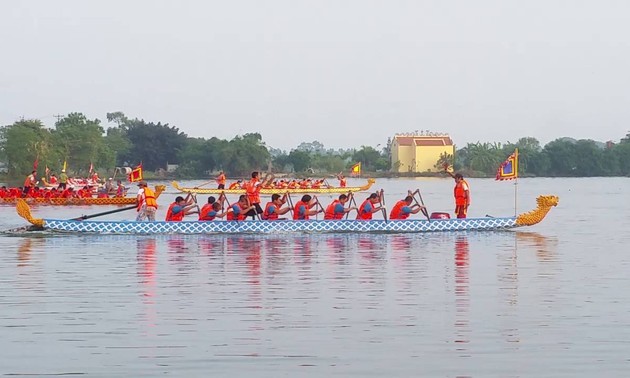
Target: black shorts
point(252, 213)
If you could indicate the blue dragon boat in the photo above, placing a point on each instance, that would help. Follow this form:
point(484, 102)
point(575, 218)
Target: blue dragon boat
point(545, 203)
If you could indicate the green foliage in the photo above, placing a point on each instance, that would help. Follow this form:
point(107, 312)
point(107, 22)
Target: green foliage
point(22, 143)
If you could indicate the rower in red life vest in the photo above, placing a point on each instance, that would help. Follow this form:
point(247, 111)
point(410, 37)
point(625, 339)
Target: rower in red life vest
point(274, 208)
point(179, 209)
point(368, 207)
point(302, 209)
point(403, 208)
point(239, 209)
point(235, 185)
point(53, 179)
point(337, 209)
point(211, 210)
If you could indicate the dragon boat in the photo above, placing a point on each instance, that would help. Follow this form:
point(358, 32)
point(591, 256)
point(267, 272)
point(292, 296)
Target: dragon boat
point(334, 189)
point(545, 203)
point(80, 201)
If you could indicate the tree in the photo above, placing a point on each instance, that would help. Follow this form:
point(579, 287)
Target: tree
point(301, 160)
point(22, 143)
point(80, 142)
point(154, 144)
point(369, 158)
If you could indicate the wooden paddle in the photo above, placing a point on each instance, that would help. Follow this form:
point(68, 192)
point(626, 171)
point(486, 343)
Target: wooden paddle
point(204, 184)
point(424, 208)
point(84, 217)
point(290, 202)
point(320, 206)
point(381, 199)
point(352, 201)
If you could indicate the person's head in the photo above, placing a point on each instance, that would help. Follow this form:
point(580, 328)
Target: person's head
point(459, 176)
point(275, 197)
point(63, 171)
point(118, 182)
point(34, 172)
point(306, 198)
point(53, 174)
point(142, 184)
point(343, 198)
point(110, 179)
point(216, 206)
point(374, 198)
point(242, 199)
point(179, 200)
point(212, 200)
point(408, 200)
point(255, 174)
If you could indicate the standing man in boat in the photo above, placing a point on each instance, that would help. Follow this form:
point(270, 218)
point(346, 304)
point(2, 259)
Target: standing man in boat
point(252, 190)
point(29, 183)
point(147, 205)
point(461, 192)
point(302, 210)
point(221, 180)
point(342, 180)
point(337, 209)
point(274, 208)
point(63, 180)
point(403, 208)
point(368, 207)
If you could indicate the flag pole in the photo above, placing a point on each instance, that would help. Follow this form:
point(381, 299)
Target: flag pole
point(515, 180)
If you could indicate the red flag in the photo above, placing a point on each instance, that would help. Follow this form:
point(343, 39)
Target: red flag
point(136, 174)
point(35, 164)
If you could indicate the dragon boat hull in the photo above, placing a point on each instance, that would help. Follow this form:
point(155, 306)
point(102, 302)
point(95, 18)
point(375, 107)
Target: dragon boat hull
point(286, 226)
point(331, 190)
point(545, 203)
point(74, 201)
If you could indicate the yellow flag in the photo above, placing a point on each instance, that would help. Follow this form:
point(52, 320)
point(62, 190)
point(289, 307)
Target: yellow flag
point(64, 166)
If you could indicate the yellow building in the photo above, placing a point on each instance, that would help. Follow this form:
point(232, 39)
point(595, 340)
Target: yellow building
point(419, 152)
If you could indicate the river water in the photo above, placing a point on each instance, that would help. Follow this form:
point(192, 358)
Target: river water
point(551, 300)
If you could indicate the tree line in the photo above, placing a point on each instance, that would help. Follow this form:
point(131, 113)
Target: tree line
point(80, 141)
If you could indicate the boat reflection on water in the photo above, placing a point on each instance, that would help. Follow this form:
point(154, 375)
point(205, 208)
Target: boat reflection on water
point(146, 271)
point(462, 292)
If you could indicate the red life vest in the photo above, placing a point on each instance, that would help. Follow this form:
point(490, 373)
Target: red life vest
point(296, 210)
point(330, 211)
point(397, 212)
point(342, 183)
point(203, 214)
point(170, 217)
point(253, 191)
point(241, 215)
point(365, 215)
point(460, 193)
point(272, 216)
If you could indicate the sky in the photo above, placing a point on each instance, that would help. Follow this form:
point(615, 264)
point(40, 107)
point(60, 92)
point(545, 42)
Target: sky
point(344, 73)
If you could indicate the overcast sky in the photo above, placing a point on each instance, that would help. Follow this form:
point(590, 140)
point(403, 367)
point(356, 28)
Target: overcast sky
point(345, 73)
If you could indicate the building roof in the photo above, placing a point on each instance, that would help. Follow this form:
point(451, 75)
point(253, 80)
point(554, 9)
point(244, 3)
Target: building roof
point(404, 140)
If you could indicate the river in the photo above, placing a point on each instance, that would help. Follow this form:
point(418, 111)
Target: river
point(551, 300)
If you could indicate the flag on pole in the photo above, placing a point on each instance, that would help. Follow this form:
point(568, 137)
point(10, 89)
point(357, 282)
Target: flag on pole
point(508, 170)
point(47, 171)
point(136, 174)
point(356, 169)
point(64, 166)
point(35, 163)
point(91, 168)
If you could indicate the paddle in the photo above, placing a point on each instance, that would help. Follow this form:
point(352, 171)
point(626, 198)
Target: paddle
point(352, 201)
point(84, 217)
point(205, 183)
point(320, 206)
point(290, 202)
point(381, 199)
point(424, 208)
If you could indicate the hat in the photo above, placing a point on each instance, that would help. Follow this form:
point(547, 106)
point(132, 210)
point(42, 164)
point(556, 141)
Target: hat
point(142, 183)
point(63, 171)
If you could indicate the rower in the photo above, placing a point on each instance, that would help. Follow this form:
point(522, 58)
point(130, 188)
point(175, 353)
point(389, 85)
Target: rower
point(337, 209)
point(274, 208)
point(302, 209)
point(368, 207)
point(403, 208)
point(180, 208)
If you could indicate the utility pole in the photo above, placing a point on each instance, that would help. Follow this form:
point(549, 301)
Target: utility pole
point(58, 116)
